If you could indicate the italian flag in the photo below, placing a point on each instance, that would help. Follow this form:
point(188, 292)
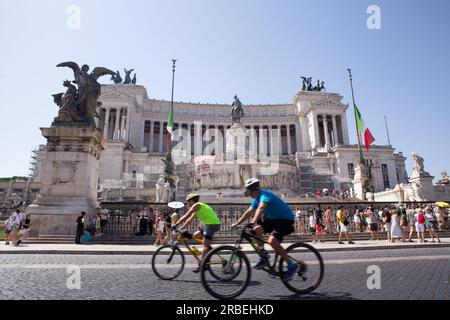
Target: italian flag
point(363, 131)
point(170, 127)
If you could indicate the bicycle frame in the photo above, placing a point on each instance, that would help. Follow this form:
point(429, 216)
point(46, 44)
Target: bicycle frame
point(271, 269)
point(181, 239)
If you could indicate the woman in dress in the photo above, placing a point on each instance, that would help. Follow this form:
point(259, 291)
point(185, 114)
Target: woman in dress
point(396, 230)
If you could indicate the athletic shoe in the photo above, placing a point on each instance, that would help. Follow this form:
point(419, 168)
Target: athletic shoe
point(291, 268)
point(263, 261)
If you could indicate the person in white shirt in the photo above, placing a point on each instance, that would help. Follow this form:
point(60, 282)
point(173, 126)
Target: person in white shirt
point(299, 219)
point(15, 220)
point(312, 227)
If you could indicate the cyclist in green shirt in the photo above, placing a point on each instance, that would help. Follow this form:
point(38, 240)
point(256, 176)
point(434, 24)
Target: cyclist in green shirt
point(209, 219)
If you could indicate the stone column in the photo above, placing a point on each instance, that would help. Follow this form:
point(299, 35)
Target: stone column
point(316, 130)
point(106, 126)
point(298, 137)
point(325, 129)
point(128, 125)
point(198, 139)
point(143, 133)
point(335, 135)
point(344, 128)
point(152, 129)
point(161, 139)
point(288, 132)
point(122, 128)
point(116, 126)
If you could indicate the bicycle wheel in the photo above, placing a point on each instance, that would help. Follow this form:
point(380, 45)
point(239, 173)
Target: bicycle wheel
point(225, 272)
point(168, 262)
point(310, 268)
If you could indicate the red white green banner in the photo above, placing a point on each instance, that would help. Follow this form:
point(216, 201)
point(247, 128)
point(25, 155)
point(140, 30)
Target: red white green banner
point(363, 131)
point(170, 123)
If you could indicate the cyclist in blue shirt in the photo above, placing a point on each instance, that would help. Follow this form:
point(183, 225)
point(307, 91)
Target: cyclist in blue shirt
point(271, 215)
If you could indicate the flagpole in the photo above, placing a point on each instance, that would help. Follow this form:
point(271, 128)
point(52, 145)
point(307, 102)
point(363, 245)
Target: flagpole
point(387, 131)
point(169, 143)
point(354, 112)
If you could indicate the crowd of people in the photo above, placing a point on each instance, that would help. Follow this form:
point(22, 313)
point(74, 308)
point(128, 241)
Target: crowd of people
point(399, 223)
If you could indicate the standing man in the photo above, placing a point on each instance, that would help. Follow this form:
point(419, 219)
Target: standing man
point(211, 223)
point(80, 227)
point(341, 219)
point(270, 215)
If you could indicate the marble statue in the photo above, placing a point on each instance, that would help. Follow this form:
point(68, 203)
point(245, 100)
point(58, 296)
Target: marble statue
point(166, 192)
point(159, 189)
point(418, 163)
point(445, 178)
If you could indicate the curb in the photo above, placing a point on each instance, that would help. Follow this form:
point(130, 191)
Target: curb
point(247, 251)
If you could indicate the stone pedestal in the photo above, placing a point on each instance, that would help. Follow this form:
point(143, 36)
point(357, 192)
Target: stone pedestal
point(361, 182)
point(69, 180)
point(235, 143)
point(422, 184)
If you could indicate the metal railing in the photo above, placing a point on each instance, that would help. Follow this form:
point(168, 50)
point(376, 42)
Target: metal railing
point(124, 217)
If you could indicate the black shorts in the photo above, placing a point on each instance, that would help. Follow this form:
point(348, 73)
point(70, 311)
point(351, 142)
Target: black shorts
point(277, 227)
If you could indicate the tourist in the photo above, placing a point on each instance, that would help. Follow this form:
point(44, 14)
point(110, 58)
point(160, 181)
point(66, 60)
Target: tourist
point(320, 228)
point(134, 221)
point(167, 227)
point(151, 221)
point(299, 219)
point(404, 225)
point(143, 225)
point(80, 227)
point(372, 220)
point(209, 219)
point(440, 216)
point(312, 227)
point(98, 222)
point(159, 228)
point(16, 223)
point(432, 224)
point(328, 223)
point(357, 220)
point(396, 231)
point(103, 221)
point(410, 214)
point(25, 228)
point(387, 223)
point(341, 219)
point(8, 229)
point(419, 219)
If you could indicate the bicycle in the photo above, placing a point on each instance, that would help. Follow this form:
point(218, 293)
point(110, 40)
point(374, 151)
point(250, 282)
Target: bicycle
point(170, 258)
point(229, 261)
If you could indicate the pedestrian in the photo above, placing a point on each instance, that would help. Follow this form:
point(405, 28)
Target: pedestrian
point(8, 229)
point(312, 227)
point(25, 228)
point(440, 216)
point(299, 219)
point(151, 220)
point(167, 227)
point(103, 221)
point(134, 222)
point(80, 227)
point(16, 224)
point(320, 228)
point(143, 225)
point(357, 220)
point(159, 226)
point(419, 219)
point(328, 223)
point(341, 219)
point(404, 225)
point(396, 230)
point(432, 224)
point(372, 220)
point(387, 223)
point(410, 214)
point(98, 222)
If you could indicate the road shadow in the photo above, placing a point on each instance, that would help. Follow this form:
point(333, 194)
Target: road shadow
point(318, 296)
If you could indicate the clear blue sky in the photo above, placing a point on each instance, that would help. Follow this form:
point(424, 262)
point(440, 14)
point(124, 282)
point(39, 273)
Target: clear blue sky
point(257, 49)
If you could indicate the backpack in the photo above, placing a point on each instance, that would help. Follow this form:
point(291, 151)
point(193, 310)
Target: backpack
point(420, 218)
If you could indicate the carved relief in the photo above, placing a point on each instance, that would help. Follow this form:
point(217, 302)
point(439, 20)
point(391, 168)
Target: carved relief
point(65, 171)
